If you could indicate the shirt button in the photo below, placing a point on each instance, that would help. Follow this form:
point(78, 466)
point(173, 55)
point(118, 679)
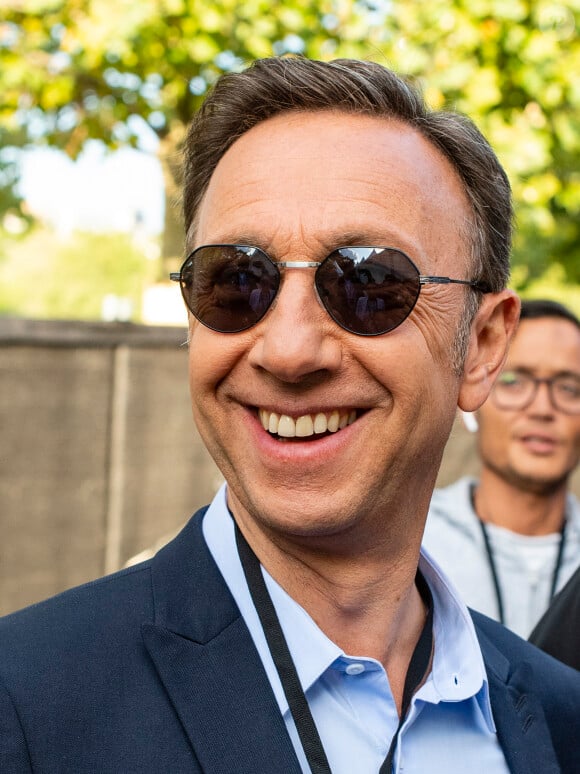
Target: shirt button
point(355, 669)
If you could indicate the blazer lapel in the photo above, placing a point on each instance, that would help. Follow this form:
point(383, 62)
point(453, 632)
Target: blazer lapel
point(521, 725)
point(206, 659)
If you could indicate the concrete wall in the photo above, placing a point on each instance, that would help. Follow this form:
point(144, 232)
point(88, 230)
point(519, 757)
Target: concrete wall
point(99, 456)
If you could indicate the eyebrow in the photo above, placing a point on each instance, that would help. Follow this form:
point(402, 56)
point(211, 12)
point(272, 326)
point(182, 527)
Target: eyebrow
point(331, 241)
point(532, 372)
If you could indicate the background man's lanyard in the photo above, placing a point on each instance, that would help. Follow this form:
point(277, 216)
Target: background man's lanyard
point(493, 567)
point(297, 703)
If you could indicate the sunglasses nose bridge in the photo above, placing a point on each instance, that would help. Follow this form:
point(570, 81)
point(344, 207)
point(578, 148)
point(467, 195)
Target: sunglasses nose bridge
point(300, 265)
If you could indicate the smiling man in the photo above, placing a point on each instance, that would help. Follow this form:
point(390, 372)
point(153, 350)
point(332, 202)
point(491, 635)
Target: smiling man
point(511, 539)
point(347, 254)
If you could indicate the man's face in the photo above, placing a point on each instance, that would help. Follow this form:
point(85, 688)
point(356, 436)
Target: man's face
point(299, 186)
point(535, 448)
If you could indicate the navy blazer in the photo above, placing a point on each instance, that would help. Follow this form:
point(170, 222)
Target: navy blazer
point(153, 670)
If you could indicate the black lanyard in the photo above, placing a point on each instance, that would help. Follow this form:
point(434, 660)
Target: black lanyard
point(297, 703)
point(493, 567)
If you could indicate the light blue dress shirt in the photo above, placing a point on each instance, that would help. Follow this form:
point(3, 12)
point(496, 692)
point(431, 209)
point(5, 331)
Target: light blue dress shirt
point(449, 728)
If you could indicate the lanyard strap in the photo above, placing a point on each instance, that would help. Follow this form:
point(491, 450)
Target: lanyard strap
point(418, 667)
point(493, 566)
point(297, 702)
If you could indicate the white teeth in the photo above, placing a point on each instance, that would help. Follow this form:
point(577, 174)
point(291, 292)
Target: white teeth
point(286, 427)
point(333, 422)
point(306, 425)
point(320, 423)
point(272, 424)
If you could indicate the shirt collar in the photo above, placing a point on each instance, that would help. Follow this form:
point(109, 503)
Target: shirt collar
point(458, 671)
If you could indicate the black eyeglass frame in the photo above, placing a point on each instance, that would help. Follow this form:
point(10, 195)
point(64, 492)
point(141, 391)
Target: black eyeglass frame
point(536, 382)
point(422, 279)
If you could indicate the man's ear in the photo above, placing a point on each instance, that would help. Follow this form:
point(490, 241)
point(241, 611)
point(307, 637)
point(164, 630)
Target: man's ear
point(491, 331)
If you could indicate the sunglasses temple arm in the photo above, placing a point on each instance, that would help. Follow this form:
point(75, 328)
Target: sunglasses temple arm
point(434, 280)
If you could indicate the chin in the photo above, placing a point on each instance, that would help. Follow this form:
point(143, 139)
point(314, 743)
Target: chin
point(306, 523)
point(539, 483)
point(307, 515)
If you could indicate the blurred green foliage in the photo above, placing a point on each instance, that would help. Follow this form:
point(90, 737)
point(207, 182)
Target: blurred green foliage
point(71, 70)
point(513, 67)
point(48, 277)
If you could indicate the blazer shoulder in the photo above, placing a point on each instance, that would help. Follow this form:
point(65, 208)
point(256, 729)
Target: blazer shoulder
point(105, 602)
point(110, 606)
point(110, 601)
point(514, 659)
point(530, 690)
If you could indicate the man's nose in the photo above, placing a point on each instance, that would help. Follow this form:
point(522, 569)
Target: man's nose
point(542, 403)
point(297, 337)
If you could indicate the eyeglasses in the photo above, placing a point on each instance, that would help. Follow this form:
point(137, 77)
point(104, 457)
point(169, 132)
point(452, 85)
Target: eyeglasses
point(515, 390)
point(366, 290)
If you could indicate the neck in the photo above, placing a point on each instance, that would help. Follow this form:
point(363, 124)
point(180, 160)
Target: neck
point(367, 604)
point(526, 513)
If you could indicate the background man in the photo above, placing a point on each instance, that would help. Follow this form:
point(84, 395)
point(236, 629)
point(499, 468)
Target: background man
point(512, 539)
point(292, 627)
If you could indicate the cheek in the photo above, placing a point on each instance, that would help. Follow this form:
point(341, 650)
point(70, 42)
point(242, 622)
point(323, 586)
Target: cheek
point(493, 436)
point(212, 357)
point(575, 442)
point(414, 380)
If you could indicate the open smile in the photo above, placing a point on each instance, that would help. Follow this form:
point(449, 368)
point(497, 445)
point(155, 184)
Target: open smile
point(307, 425)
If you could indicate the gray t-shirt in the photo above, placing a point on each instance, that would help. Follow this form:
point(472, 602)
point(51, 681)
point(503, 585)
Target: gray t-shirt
point(524, 564)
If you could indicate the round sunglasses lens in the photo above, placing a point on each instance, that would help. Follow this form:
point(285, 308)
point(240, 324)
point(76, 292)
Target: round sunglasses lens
point(229, 288)
point(368, 290)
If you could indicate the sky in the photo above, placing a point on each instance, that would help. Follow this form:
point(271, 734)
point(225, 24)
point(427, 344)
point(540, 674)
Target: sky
point(101, 191)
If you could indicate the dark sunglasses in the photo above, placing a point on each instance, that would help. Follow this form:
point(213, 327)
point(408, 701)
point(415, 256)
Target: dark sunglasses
point(366, 290)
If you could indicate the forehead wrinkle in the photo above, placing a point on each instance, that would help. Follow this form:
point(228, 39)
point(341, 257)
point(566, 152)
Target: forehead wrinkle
point(363, 226)
point(320, 245)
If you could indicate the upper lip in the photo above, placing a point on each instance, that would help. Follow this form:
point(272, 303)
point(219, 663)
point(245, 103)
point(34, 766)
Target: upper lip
point(300, 405)
point(304, 411)
point(539, 435)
